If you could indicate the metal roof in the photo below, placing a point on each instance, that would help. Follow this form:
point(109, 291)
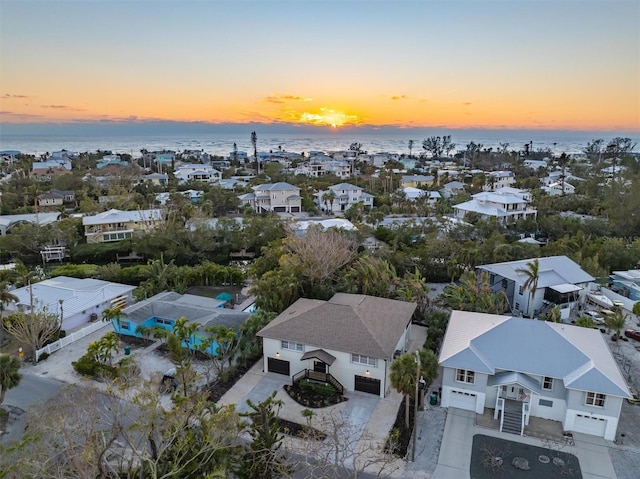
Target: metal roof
point(564, 270)
point(488, 343)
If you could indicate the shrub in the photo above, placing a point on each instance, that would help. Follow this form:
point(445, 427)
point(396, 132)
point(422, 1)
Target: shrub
point(88, 366)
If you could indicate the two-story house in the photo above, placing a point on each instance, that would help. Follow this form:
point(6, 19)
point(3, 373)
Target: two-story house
point(520, 368)
point(560, 282)
point(499, 179)
point(415, 181)
point(502, 205)
point(205, 173)
point(116, 225)
point(341, 197)
point(273, 197)
point(348, 341)
point(55, 199)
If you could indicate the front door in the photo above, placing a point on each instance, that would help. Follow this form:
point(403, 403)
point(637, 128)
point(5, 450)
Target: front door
point(319, 367)
point(514, 392)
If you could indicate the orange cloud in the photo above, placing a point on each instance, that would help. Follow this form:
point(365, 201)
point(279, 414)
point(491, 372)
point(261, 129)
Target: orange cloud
point(285, 98)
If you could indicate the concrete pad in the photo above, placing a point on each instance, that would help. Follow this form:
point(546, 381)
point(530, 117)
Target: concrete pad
point(455, 451)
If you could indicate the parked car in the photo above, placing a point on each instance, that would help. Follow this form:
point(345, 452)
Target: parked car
point(633, 334)
point(595, 316)
point(168, 384)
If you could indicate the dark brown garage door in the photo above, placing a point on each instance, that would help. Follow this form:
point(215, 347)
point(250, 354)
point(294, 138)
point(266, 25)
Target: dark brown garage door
point(278, 366)
point(367, 385)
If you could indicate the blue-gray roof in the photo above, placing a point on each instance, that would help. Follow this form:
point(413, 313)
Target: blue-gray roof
point(490, 343)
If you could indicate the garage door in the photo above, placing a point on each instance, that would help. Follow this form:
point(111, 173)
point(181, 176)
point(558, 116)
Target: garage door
point(462, 400)
point(367, 385)
point(590, 425)
point(278, 366)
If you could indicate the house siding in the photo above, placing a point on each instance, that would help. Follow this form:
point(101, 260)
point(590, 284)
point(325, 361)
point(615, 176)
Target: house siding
point(342, 368)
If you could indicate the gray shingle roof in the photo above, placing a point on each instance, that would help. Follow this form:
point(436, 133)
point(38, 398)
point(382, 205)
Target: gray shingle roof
point(351, 323)
point(488, 343)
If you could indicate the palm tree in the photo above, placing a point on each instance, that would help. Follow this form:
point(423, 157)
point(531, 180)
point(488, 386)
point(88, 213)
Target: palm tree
point(410, 147)
point(586, 322)
point(532, 271)
point(9, 375)
point(616, 321)
point(5, 298)
point(403, 378)
point(111, 314)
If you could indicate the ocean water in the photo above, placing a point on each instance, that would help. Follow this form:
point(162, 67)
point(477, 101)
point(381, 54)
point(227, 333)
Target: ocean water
point(394, 141)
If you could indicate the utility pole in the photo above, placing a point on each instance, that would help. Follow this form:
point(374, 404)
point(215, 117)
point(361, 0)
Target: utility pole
point(415, 409)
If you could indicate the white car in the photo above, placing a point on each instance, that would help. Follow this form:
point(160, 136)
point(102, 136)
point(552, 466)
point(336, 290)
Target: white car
point(595, 316)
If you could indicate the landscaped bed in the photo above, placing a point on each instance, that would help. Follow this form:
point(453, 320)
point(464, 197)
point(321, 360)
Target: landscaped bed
point(315, 395)
point(493, 458)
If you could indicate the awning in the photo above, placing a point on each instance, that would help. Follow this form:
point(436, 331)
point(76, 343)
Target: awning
point(320, 354)
point(510, 377)
point(565, 288)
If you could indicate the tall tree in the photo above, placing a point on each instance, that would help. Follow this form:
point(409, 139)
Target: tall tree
point(616, 321)
point(9, 375)
point(35, 328)
point(410, 148)
point(254, 142)
point(403, 378)
point(532, 273)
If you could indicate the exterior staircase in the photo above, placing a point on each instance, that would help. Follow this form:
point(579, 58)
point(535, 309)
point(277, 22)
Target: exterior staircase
point(512, 420)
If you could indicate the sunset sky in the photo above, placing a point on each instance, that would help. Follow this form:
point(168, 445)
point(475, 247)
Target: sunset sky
point(565, 64)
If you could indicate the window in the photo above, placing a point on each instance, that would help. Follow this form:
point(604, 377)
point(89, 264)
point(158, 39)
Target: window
point(292, 346)
point(595, 399)
point(545, 402)
point(163, 321)
point(547, 383)
point(465, 376)
point(124, 325)
point(366, 360)
point(521, 290)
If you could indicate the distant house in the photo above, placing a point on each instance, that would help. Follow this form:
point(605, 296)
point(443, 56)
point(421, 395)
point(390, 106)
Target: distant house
point(504, 206)
point(111, 160)
point(348, 341)
point(53, 166)
point(452, 188)
point(273, 197)
point(521, 368)
point(8, 222)
point(164, 309)
point(559, 188)
point(414, 181)
point(499, 179)
point(561, 282)
point(341, 197)
point(535, 164)
point(116, 225)
point(158, 179)
point(207, 174)
point(57, 198)
point(413, 194)
point(339, 223)
point(78, 301)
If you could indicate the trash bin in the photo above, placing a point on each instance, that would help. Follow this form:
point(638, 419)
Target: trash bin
point(434, 399)
point(127, 350)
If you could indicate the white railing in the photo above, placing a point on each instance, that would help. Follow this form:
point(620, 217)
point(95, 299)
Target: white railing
point(67, 340)
point(525, 417)
point(499, 407)
point(501, 402)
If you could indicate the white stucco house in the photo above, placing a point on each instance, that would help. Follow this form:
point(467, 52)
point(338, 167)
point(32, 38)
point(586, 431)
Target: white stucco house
point(499, 179)
point(348, 341)
point(561, 282)
point(521, 368)
point(188, 172)
point(279, 197)
point(341, 197)
point(504, 205)
point(77, 301)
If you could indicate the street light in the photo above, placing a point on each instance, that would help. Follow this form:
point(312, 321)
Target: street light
point(415, 409)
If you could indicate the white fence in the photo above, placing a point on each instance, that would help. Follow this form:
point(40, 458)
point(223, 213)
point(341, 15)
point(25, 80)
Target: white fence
point(75, 336)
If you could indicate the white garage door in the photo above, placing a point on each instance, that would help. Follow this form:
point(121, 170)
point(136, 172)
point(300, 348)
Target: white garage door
point(462, 400)
point(590, 425)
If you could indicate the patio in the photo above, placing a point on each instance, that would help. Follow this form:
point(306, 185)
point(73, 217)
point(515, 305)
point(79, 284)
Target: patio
point(543, 429)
